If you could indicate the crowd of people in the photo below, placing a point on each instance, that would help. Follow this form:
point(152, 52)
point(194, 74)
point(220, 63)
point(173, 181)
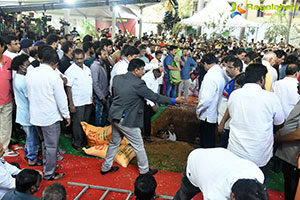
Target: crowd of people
point(247, 91)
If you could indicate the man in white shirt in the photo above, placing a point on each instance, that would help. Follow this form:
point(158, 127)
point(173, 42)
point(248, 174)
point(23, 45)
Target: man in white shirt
point(286, 89)
point(233, 69)
point(121, 67)
point(171, 132)
point(221, 175)
point(253, 113)
point(150, 108)
point(48, 106)
point(80, 96)
point(210, 92)
point(7, 182)
point(157, 61)
point(269, 60)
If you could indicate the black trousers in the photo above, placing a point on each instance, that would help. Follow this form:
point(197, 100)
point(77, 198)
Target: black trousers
point(291, 178)
point(82, 113)
point(148, 113)
point(224, 136)
point(187, 190)
point(207, 134)
point(265, 170)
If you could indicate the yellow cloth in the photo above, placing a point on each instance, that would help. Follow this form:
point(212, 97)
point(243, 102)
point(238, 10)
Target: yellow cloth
point(268, 82)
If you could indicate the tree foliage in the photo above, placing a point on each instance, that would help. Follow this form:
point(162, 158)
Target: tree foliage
point(89, 27)
point(178, 27)
point(219, 28)
point(185, 8)
point(278, 27)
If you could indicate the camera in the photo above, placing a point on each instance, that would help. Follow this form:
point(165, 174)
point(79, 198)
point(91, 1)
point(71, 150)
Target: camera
point(64, 22)
point(46, 18)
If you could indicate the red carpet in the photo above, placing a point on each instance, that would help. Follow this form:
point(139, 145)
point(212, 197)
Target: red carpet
point(87, 170)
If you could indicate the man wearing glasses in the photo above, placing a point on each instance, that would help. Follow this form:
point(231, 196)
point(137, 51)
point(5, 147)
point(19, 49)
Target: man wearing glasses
point(233, 69)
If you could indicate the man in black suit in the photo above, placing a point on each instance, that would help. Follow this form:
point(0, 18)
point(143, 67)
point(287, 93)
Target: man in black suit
point(127, 113)
point(66, 60)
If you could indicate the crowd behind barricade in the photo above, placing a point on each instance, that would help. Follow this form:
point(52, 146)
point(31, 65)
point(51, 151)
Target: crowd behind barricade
point(247, 91)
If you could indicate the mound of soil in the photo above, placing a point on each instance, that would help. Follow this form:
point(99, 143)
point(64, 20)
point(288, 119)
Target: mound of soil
point(167, 155)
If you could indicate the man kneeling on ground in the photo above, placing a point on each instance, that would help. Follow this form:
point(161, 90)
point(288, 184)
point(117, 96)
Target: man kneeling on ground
point(28, 182)
point(221, 175)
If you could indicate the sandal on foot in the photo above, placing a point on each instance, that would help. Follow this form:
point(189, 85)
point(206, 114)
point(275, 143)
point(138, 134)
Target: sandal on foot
point(55, 177)
point(36, 162)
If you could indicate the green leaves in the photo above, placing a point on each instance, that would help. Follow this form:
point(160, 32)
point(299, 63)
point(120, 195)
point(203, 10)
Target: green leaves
point(89, 27)
point(278, 27)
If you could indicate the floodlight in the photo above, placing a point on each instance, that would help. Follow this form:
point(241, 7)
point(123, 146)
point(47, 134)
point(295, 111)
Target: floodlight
point(69, 1)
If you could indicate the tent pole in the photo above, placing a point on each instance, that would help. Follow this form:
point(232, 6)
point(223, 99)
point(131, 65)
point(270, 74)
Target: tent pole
point(242, 29)
point(141, 21)
point(294, 2)
point(113, 24)
point(200, 7)
point(256, 34)
point(67, 18)
point(125, 31)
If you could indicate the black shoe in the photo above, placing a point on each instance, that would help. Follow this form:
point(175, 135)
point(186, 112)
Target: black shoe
point(152, 171)
point(77, 148)
point(148, 139)
point(112, 169)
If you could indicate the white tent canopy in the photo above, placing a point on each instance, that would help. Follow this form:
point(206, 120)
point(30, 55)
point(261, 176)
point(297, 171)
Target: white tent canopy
point(217, 11)
point(239, 21)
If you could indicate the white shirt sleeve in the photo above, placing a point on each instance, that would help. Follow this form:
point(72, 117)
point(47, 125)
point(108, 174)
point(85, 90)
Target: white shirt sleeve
point(154, 61)
point(154, 88)
point(70, 76)
point(206, 96)
point(24, 91)
point(121, 69)
point(150, 67)
point(59, 73)
point(13, 170)
point(278, 114)
point(6, 172)
point(150, 103)
point(151, 84)
point(61, 97)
